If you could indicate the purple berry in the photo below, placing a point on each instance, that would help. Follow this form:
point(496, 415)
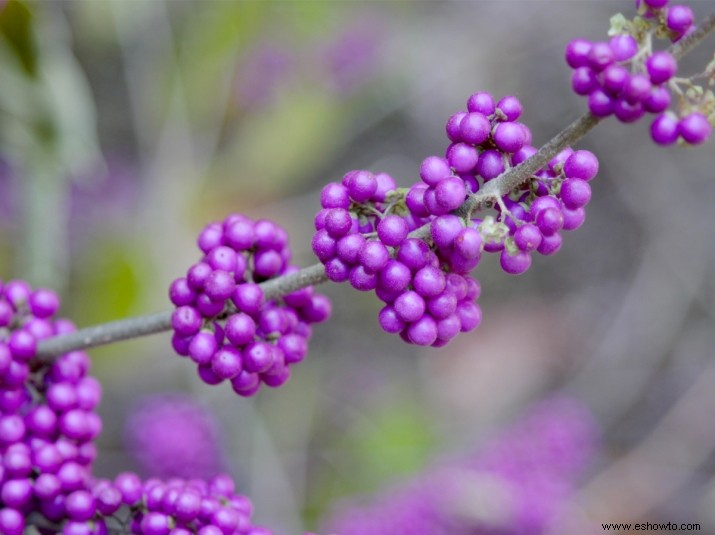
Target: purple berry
point(323, 245)
point(185, 321)
point(338, 222)
point(475, 128)
point(658, 100)
point(390, 321)
point(385, 184)
point(449, 194)
point(413, 253)
point(334, 195)
point(550, 221)
point(527, 237)
point(628, 112)
point(573, 218)
point(226, 362)
point(624, 47)
point(361, 185)
point(481, 103)
point(423, 332)
point(445, 229)
point(462, 157)
point(509, 137)
point(392, 229)
point(429, 281)
point(490, 164)
point(348, 248)
point(43, 303)
point(577, 53)
point(679, 19)
point(615, 78)
point(373, 256)
point(395, 276)
point(581, 164)
point(637, 89)
point(695, 128)
point(240, 235)
point(664, 129)
point(600, 56)
point(510, 108)
point(661, 67)
point(584, 81)
point(219, 285)
point(409, 306)
point(453, 127)
point(515, 264)
point(433, 170)
point(600, 104)
point(575, 193)
point(362, 280)
point(470, 315)
point(550, 244)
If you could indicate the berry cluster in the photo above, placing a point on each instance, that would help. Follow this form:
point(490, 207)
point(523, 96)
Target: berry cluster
point(627, 78)
point(183, 507)
point(411, 247)
point(223, 320)
point(48, 422)
point(48, 425)
point(361, 238)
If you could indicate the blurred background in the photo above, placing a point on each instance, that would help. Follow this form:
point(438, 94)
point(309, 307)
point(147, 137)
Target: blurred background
point(585, 397)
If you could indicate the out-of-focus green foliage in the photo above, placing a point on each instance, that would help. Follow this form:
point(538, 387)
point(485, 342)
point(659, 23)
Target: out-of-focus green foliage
point(15, 26)
point(47, 131)
point(47, 107)
point(390, 437)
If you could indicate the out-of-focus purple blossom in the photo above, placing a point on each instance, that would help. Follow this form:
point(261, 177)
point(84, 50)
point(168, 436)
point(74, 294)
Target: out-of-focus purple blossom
point(515, 484)
point(263, 70)
point(172, 435)
point(352, 56)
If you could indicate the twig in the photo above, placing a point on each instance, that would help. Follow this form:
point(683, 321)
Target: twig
point(154, 323)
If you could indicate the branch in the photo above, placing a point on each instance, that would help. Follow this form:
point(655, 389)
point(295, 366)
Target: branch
point(516, 176)
point(115, 331)
point(686, 45)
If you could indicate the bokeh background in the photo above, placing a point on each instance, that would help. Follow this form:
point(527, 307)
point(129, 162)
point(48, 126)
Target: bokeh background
point(127, 125)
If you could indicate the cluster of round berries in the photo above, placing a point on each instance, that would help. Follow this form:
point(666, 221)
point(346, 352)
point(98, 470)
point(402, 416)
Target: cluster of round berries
point(625, 77)
point(367, 230)
point(48, 425)
point(223, 320)
point(183, 507)
point(362, 236)
point(530, 218)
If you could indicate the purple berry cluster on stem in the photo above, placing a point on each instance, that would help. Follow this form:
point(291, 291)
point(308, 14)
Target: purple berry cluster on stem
point(627, 77)
point(362, 236)
point(223, 321)
point(48, 427)
point(410, 246)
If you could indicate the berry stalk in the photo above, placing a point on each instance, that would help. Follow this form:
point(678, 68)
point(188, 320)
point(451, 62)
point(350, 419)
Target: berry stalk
point(135, 327)
point(126, 329)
